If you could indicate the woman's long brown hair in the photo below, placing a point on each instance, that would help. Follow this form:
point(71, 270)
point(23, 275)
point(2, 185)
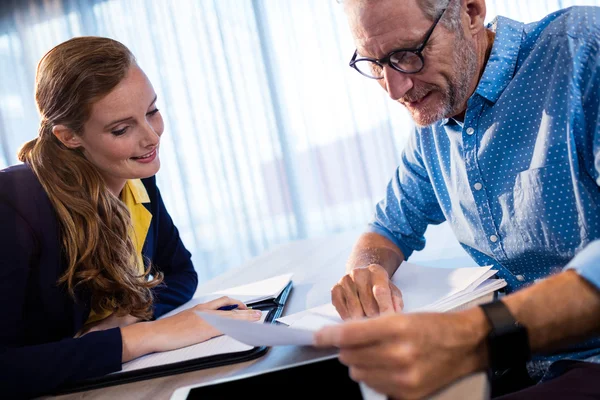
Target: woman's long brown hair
point(95, 224)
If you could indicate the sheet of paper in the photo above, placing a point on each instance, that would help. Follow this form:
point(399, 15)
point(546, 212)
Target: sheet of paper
point(324, 313)
point(257, 291)
point(423, 289)
point(259, 334)
point(422, 286)
point(214, 346)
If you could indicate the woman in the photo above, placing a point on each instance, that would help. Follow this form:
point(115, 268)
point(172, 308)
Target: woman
point(89, 255)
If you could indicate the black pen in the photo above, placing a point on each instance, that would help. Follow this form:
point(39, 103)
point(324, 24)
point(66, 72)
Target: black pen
point(228, 307)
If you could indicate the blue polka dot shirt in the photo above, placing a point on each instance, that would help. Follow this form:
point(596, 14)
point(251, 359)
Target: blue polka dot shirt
point(517, 180)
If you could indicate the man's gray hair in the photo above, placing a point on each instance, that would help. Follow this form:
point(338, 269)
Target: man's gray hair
point(433, 9)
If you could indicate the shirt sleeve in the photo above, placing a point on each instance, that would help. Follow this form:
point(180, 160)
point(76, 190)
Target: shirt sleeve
point(589, 84)
point(409, 205)
point(174, 260)
point(28, 370)
point(586, 263)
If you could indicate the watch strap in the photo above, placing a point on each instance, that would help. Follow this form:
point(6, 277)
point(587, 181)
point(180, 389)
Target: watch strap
point(508, 341)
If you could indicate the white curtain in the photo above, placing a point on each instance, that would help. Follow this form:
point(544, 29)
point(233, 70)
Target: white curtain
point(270, 136)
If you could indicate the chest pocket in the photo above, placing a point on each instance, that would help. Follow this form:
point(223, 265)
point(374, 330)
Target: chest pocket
point(547, 212)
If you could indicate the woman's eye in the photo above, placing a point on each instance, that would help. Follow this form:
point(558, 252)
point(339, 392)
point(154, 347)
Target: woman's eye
point(153, 112)
point(119, 132)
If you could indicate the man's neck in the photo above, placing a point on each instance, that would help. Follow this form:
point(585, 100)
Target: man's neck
point(483, 56)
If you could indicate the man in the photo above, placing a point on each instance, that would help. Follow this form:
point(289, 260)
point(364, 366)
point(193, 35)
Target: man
point(507, 151)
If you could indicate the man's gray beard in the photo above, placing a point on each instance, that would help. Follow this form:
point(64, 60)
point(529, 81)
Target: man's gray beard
point(465, 68)
point(458, 90)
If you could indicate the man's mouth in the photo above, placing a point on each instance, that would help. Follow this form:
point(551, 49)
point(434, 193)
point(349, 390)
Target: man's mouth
point(416, 103)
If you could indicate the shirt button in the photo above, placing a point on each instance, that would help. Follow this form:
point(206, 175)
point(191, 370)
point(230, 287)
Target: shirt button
point(494, 238)
point(478, 186)
point(470, 131)
point(520, 278)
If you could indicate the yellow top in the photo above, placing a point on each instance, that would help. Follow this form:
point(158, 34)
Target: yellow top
point(134, 195)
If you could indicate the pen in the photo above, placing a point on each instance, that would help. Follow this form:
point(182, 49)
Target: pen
point(228, 307)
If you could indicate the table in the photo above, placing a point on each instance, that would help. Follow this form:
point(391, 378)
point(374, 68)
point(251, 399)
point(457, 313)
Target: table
point(317, 264)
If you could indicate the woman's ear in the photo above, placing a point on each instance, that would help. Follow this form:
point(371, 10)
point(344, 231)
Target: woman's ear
point(66, 136)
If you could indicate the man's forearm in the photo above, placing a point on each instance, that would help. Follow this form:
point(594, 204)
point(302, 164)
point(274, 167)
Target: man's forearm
point(558, 311)
point(372, 248)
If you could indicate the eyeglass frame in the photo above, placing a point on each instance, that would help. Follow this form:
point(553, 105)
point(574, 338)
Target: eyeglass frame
point(386, 60)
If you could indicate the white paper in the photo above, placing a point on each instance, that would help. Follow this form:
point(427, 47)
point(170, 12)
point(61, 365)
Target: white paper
point(259, 334)
point(250, 293)
point(257, 291)
point(325, 313)
point(422, 286)
point(423, 289)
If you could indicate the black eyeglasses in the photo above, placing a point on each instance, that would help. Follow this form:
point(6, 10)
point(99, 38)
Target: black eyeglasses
point(408, 61)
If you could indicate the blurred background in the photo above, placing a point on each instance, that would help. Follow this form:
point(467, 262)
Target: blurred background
point(270, 137)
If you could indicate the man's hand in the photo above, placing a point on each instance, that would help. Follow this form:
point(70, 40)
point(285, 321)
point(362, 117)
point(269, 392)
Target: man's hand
point(410, 356)
point(368, 292)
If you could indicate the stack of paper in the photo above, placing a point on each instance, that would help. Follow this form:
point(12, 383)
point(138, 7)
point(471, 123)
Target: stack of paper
point(256, 292)
point(423, 289)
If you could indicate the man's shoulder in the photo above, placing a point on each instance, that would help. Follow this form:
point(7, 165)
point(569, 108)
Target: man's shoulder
point(578, 22)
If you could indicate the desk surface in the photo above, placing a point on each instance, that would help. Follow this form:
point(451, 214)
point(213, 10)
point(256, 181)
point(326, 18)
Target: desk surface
point(317, 264)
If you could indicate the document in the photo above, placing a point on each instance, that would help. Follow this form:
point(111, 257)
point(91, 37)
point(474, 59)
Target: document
point(255, 292)
point(423, 289)
point(259, 334)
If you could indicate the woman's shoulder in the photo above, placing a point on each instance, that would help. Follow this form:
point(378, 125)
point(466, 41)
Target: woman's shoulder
point(18, 179)
point(20, 188)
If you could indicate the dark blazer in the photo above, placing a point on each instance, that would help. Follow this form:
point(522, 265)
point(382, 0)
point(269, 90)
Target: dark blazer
point(38, 318)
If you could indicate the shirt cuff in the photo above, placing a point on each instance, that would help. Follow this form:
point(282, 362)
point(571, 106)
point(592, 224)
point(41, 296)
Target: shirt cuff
point(406, 250)
point(587, 263)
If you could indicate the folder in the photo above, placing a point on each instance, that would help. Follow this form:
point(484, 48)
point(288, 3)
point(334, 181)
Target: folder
point(269, 296)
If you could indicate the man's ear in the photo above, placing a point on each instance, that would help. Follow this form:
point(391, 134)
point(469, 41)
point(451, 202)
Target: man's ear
point(476, 11)
point(66, 136)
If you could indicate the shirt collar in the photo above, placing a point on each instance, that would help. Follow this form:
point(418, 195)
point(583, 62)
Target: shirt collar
point(138, 190)
point(500, 68)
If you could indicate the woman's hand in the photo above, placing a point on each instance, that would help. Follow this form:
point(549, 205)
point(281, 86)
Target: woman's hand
point(112, 321)
point(180, 330)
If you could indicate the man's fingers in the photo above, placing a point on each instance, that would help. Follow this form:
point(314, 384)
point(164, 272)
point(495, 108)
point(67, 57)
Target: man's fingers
point(339, 301)
point(351, 296)
point(397, 298)
point(363, 283)
point(356, 333)
point(381, 289)
point(386, 354)
point(383, 297)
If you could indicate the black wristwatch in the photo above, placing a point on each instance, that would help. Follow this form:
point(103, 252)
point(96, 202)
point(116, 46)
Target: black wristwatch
point(508, 341)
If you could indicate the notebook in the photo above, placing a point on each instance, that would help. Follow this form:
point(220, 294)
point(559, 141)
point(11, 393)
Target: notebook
point(268, 295)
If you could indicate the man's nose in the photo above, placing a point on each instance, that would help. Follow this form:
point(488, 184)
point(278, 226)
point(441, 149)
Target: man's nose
point(396, 82)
